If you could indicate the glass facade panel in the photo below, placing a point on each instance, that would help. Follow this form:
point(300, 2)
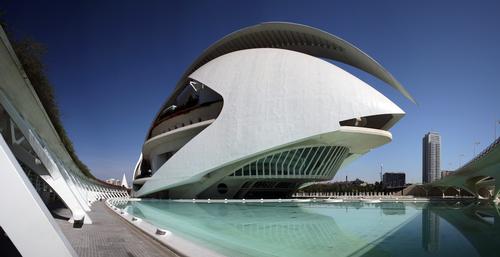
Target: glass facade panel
point(307, 162)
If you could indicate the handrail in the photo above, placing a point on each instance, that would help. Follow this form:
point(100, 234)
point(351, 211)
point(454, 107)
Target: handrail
point(481, 154)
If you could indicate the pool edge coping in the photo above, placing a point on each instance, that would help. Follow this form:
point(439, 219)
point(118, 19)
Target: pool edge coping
point(178, 244)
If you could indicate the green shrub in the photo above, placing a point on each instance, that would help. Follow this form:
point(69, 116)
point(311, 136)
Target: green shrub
point(30, 54)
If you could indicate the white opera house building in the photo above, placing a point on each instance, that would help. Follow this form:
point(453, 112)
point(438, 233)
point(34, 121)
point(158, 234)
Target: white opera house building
point(262, 112)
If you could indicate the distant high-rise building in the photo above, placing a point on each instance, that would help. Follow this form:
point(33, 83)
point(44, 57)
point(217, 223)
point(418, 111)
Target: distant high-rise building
point(392, 180)
point(445, 173)
point(431, 157)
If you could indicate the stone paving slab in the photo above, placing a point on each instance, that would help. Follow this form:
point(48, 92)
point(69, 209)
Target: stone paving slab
point(110, 236)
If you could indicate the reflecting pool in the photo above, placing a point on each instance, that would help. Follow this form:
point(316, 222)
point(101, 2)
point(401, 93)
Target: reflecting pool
point(330, 229)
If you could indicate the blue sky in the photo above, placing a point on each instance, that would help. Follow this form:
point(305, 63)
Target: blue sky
point(113, 64)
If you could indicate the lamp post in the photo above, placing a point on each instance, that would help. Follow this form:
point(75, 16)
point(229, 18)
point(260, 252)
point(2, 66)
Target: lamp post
point(460, 160)
point(476, 144)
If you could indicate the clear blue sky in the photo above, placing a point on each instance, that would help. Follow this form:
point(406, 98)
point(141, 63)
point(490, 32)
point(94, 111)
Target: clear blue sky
point(113, 64)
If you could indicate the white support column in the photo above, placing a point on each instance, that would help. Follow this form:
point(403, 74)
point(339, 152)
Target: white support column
point(83, 185)
point(61, 184)
point(102, 191)
point(57, 181)
point(95, 189)
point(87, 191)
point(75, 181)
point(91, 191)
point(107, 192)
point(36, 233)
point(74, 189)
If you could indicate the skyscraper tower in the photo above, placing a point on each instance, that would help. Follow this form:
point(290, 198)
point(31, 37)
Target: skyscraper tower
point(381, 168)
point(431, 157)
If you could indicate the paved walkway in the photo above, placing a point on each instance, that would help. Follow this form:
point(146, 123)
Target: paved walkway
point(110, 236)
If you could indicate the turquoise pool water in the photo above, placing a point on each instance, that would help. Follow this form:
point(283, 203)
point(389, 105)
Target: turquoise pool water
point(333, 229)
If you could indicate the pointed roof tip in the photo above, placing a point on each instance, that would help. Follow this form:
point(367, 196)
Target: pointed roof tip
point(124, 181)
point(403, 91)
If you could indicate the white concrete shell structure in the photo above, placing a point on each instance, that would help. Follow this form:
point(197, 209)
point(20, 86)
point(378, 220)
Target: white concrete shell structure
point(30, 146)
point(260, 113)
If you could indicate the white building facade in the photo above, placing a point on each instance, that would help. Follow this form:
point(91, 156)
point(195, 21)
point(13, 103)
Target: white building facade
point(261, 113)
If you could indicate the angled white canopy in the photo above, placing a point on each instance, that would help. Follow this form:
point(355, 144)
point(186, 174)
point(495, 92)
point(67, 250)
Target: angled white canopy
point(300, 38)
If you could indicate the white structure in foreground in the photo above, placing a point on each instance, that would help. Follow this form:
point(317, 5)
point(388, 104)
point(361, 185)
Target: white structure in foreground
point(31, 147)
point(261, 113)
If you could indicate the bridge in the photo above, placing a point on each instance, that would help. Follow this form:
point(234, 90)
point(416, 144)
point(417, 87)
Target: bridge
point(480, 177)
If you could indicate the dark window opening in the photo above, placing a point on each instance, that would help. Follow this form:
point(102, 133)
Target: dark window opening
point(145, 169)
point(188, 99)
point(222, 188)
point(137, 187)
point(375, 121)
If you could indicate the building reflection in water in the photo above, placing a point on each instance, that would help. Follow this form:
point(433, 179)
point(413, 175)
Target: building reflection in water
point(286, 229)
point(430, 230)
point(343, 229)
point(393, 208)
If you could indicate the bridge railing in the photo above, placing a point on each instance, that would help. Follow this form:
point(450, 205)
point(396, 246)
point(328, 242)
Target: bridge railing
point(482, 154)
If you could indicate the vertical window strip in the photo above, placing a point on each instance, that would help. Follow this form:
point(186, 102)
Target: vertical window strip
point(298, 160)
point(331, 160)
point(341, 159)
point(306, 170)
point(325, 159)
point(311, 170)
point(276, 165)
point(336, 159)
point(270, 166)
point(253, 169)
point(258, 165)
point(307, 161)
point(264, 165)
point(246, 170)
point(290, 162)
point(301, 171)
point(283, 162)
point(321, 160)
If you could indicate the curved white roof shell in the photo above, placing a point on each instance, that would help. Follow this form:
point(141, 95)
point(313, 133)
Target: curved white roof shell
point(295, 37)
